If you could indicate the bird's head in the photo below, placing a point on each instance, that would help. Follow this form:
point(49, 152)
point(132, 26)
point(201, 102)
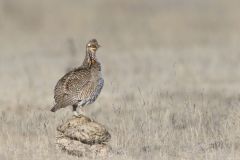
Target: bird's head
point(92, 46)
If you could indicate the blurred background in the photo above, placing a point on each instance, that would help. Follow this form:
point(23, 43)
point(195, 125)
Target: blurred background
point(150, 48)
point(181, 45)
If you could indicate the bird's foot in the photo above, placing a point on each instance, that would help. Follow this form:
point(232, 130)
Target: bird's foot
point(79, 113)
point(76, 114)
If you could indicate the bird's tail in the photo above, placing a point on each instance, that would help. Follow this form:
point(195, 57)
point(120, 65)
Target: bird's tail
point(55, 108)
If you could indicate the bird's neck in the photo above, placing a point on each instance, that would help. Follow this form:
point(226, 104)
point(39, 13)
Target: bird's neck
point(90, 58)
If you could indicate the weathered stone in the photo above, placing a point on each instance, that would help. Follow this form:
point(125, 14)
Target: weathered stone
point(81, 136)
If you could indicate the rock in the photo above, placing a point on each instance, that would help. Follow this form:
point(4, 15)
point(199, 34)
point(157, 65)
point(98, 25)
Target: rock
point(81, 136)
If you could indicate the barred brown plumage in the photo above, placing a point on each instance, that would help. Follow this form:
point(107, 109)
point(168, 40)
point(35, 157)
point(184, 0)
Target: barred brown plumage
point(82, 85)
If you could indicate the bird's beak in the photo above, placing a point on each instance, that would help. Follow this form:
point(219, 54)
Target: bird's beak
point(99, 46)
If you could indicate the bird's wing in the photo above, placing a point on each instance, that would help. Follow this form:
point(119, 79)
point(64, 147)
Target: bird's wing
point(90, 91)
point(69, 85)
point(77, 79)
point(86, 91)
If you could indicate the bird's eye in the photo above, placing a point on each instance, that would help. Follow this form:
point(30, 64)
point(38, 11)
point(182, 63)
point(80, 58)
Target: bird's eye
point(89, 45)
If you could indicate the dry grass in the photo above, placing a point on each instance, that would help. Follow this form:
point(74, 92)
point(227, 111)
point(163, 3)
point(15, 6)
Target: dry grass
point(171, 76)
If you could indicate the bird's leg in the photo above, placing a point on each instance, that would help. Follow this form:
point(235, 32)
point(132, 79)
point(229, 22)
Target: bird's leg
point(80, 110)
point(75, 112)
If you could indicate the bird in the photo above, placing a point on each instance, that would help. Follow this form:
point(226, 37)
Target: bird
point(80, 86)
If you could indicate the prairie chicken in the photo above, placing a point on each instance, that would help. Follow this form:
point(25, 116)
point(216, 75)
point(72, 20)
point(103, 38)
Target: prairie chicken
point(82, 85)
